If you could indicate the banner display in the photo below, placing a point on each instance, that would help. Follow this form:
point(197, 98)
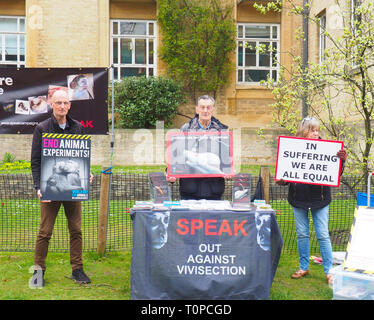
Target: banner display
point(204, 254)
point(199, 154)
point(308, 161)
point(360, 253)
point(65, 167)
point(25, 97)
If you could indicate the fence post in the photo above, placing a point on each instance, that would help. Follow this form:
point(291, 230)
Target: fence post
point(103, 213)
point(265, 175)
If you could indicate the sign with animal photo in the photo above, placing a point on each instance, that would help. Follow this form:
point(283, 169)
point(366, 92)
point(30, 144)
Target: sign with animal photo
point(65, 167)
point(199, 154)
point(308, 161)
point(26, 97)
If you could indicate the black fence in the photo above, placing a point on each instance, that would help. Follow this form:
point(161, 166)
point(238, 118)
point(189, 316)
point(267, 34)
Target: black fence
point(20, 214)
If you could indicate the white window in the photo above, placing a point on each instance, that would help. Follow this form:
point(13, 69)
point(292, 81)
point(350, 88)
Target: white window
point(12, 41)
point(322, 37)
point(258, 48)
point(355, 15)
point(133, 48)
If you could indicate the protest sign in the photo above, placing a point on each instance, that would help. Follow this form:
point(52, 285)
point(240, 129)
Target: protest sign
point(308, 161)
point(199, 154)
point(65, 167)
point(360, 253)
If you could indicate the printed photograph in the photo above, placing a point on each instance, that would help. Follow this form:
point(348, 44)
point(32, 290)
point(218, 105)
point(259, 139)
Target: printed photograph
point(80, 86)
point(59, 179)
point(22, 107)
point(38, 104)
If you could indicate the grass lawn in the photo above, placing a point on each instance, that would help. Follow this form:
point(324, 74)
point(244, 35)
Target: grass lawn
point(110, 275)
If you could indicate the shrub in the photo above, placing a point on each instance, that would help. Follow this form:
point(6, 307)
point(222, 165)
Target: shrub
point(9, 158)
point(140, 102)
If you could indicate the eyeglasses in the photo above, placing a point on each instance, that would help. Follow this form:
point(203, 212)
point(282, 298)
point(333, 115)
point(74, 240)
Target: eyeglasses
point(60, 103)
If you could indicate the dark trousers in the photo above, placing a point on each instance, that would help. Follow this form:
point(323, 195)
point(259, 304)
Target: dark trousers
point(49, 211)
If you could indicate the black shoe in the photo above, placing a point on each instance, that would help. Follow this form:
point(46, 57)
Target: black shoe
point(37, 280)
point(79, 276)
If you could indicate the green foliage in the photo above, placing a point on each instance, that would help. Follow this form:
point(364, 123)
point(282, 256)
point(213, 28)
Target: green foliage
point(339, 91)
point(15, 167)
point(140, 102)
point(198, 38)
point(10, 164)
point(9, 158)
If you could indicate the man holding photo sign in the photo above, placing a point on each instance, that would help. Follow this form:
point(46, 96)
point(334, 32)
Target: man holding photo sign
point(197, 188)
point(309, 177)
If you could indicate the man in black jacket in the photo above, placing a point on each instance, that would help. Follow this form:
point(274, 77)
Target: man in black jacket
point(202, 188)
point(59, 122)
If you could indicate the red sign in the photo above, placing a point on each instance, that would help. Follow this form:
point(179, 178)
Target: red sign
point(199, 154)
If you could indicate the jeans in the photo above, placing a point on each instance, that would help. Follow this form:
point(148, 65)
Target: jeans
point(321, 224)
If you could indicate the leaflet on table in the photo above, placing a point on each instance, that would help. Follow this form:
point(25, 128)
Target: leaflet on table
point(159, 187)
point(241, 191)
point(206, 204)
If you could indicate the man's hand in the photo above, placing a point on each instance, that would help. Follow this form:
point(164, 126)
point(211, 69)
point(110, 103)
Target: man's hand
point(280, 182)
point(39, 194)
point(91, 177)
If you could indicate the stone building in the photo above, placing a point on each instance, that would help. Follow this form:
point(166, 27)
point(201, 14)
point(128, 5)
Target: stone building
point(99, 33)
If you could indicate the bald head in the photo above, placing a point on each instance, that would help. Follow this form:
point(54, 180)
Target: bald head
point(60, 94)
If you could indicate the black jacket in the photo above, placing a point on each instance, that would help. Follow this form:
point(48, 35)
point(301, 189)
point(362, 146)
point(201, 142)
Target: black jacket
point(310, 196)
point(202, 188)
point(48, 126)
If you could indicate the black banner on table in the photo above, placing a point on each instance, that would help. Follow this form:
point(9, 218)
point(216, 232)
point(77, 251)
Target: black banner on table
point(65, 167)
point(204, 255)
point(25, 97)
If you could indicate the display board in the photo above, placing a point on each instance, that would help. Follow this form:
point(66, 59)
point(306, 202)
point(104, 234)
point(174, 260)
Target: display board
point(65, 167)
point(199, 154)
point(360, 253)
point(308, 161)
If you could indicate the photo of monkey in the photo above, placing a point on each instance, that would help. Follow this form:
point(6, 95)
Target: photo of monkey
point(80, 86)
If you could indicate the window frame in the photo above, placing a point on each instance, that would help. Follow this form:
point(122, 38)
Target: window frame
point(118, 65)
point(269, 40)
point(18, 62)
point(322, 36)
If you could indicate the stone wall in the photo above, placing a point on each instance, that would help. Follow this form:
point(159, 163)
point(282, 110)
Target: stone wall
point(147, 147)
